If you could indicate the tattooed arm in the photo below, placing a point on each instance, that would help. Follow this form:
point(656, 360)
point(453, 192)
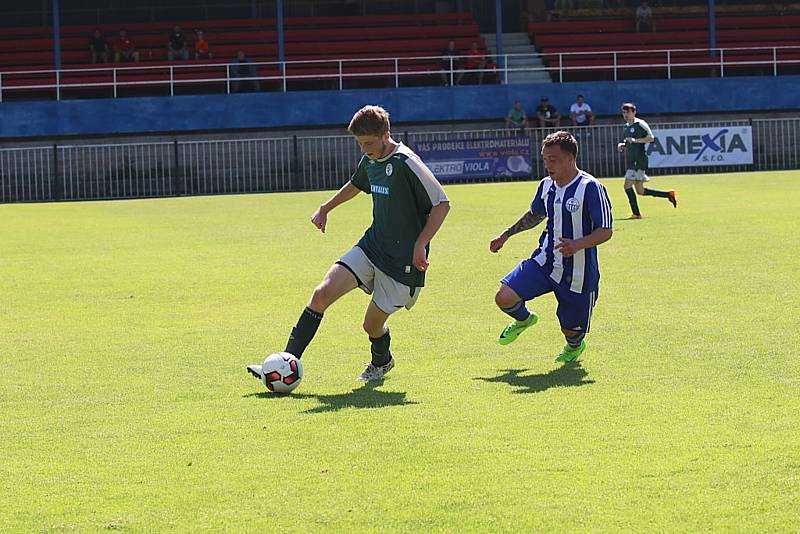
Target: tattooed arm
point(526, 222)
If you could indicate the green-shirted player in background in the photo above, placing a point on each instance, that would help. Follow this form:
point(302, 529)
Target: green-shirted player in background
point(636, 136)
point(389, 262)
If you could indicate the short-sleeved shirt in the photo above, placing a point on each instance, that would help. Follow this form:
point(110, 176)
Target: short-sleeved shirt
point(644, 13)
point(124, 45)
point(516, 116)
point(578, 108)
point(473, 59)
point(176, 40)
point(446, 59)
point(98, 43)
point(201, 46)
point(548, 110)
point(637, 152)
point(573, 211)
point(403, 192)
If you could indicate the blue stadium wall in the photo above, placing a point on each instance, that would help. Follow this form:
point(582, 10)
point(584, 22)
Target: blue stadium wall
point(413, 104)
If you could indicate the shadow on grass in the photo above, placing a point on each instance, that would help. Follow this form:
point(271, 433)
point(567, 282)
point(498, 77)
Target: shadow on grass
point(570, 374)
point(366, 396)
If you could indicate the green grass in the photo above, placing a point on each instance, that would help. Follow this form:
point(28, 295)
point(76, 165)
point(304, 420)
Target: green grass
point(125, 328)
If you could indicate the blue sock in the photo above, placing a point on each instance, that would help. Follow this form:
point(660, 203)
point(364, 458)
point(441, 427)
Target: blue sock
point(575, 341)
point(518, 311)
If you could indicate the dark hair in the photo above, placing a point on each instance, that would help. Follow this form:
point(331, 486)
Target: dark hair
point(579, 96)
point(629, 105)
point(565, 140)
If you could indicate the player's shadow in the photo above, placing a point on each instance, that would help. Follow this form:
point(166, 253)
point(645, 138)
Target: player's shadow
point(568, 375)
point(366, 396)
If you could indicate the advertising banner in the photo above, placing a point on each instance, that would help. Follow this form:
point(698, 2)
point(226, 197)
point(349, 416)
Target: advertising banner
point(476, 158)
point(699, 147)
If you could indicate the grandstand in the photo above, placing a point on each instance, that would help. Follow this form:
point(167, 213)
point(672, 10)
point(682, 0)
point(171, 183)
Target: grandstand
point(317, 51)
point(749, 45)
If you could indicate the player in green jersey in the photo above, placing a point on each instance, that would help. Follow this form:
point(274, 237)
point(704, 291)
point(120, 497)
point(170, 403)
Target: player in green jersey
point(389, 262)
point(637, 134)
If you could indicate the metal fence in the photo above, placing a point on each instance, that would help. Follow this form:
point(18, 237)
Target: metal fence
point(394, 71)
point(144, 170)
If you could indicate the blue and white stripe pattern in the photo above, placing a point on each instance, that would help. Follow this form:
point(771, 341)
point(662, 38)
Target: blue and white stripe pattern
point(573, 211)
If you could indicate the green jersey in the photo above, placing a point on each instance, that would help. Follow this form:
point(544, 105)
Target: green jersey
point(637, 153)
point(403, 192)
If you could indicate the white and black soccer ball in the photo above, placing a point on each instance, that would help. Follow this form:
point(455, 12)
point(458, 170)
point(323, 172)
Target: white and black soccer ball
point(282, 372)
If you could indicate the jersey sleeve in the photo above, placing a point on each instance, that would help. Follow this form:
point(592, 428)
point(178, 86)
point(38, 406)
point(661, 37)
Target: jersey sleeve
point(427, 188)
point(537, 204)
point(646, 129)
point(598, 204)
point(360, 178)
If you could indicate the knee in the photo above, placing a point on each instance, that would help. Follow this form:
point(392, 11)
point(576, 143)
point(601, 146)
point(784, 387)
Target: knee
point(505, 298)
point(320, 298)
point(374, 329)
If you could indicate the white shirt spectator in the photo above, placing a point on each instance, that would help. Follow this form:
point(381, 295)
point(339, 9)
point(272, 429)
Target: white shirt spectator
point(644, 13)
point(580, 111)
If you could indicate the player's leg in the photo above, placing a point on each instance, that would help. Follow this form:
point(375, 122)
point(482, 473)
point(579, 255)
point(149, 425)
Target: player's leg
point(381, 361)
point(669, 195)
point(389, 296)
point(525, 282)
point(575, 315)
point(631, 193)
point(337, 282)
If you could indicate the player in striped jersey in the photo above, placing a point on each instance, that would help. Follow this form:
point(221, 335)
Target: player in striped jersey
point(636, 136)
point(578, 213)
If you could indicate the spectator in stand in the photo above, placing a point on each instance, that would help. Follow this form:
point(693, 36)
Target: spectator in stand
point(644, 18)
point(516, 118)
point(176, 47)
point(547, 114)
point(475, 61)
point(581, 113)
point(242, 67)
point(98, 46)
point(125, 48)
point(450, 60)
point(201, 49)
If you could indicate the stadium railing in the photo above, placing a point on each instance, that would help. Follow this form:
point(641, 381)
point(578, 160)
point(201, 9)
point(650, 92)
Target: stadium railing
point(275, 164)
point(668, 62)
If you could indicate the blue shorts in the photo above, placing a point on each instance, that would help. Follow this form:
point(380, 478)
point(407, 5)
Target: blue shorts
point(529, 280)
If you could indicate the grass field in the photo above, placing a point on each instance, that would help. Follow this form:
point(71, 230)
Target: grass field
point(125, 328)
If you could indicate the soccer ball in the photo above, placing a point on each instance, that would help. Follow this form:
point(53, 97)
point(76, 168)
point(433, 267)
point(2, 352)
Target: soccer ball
point(282, 372)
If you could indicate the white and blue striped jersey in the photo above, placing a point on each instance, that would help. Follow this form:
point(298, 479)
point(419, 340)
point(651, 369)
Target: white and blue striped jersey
point(572, 211)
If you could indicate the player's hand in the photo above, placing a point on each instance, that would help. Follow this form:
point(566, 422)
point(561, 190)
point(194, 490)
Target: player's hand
point(498, 242)
point(567, 247)
point(320, 219)
point(620, 147)
point(420, 259)
point(629, 140)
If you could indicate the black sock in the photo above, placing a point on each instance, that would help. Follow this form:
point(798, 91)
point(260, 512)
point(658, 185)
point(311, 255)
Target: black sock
point(380, 349)
point(575, 341)
point(303, 332)
point(656, 193)
point(632, 199)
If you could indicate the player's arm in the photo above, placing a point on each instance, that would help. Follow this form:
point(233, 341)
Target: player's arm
point(568, 247)
point(435, 219)
point(599, 205)
point(347, 192)
point(526, 222)
point(648, 135)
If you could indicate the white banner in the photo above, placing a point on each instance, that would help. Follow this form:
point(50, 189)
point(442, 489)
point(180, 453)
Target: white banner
point(700, 147)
